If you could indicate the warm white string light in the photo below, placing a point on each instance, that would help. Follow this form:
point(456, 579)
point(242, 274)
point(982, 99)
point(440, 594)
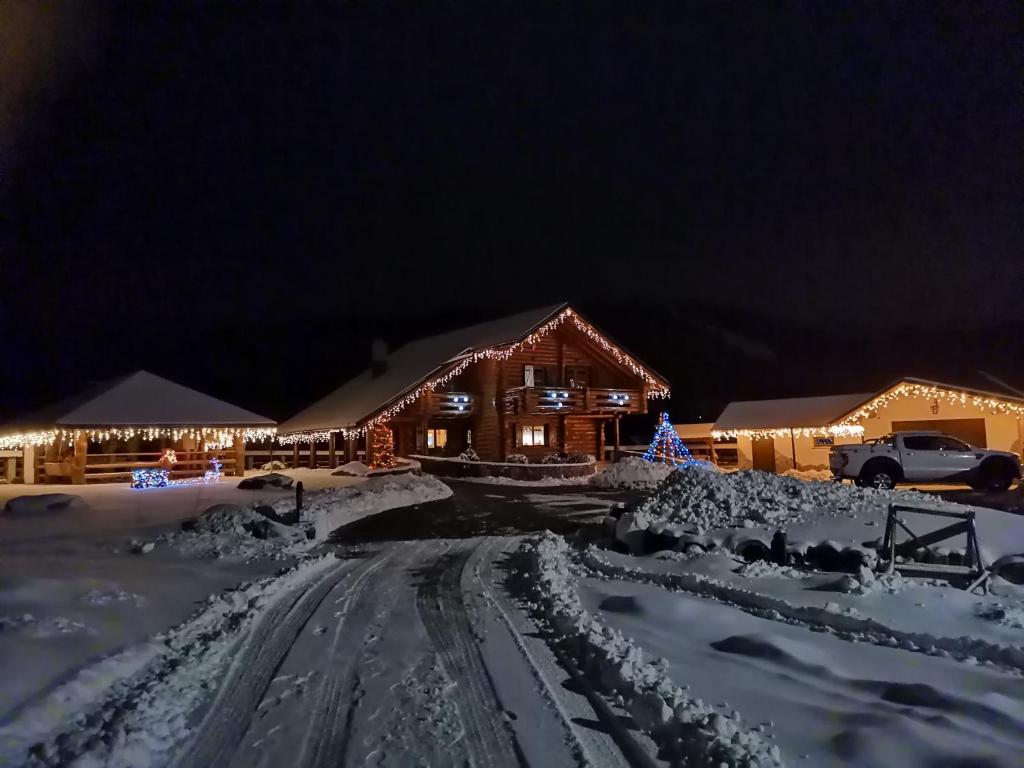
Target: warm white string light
point(657, 390)
point(213, 437)
point(834, 430)
point(993, 405)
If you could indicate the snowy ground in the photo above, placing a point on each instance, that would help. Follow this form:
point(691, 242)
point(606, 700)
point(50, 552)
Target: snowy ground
point(440, 634)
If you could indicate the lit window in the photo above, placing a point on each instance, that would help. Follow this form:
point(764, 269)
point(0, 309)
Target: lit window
point(437, 438)
point(533, 435)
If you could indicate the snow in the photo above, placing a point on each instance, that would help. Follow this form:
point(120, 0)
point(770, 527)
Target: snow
point(330, 509)
point(819, 475)
point(42, 504)
point(236, 532)
point(633, 472)
point(359, 469)
point(686, 728)
point(146, 691)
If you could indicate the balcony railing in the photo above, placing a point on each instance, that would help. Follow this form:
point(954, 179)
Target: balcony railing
point(557, 400)
point(452, 404)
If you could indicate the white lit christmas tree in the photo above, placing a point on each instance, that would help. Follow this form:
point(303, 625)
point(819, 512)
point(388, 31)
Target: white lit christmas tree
point(666, 447)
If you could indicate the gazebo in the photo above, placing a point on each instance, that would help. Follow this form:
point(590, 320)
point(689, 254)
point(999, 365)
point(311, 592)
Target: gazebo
point(133, 422)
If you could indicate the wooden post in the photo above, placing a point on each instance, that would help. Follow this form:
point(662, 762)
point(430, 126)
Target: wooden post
point(78, 462)
point(792, 443)
point(615, 455)
point(350, 449)
point(499, 403)
point(332, 453)
point(561, 434)
point(312, 454)
point(28, 464)
point(239, 445)
point(295, 455)
point(368, 458)
point(600, 440)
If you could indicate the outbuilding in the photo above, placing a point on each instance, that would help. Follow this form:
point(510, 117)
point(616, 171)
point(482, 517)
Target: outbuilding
point(113, 428)
point(796, 433)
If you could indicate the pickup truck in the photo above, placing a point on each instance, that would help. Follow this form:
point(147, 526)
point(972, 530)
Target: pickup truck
point(923, 457)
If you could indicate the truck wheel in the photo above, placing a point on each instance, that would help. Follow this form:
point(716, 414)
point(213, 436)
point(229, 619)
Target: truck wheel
point(878, 477)
point(995, 477)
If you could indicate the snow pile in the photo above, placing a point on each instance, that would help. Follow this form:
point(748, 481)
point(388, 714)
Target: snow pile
point(111, 595)
point(231, 531)
point(760, 569)
point(332, 508)
point(132, 709)
point(273, 466)
point(1006, 615)
point(822, 475)
point(707, 500)
point(42, 504)
point(359, 469)
point(633, 472)
point(686, 729)
point(29, 625)
point(272, 480)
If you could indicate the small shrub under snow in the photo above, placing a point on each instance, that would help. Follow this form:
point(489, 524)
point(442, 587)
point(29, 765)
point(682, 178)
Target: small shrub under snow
point(516, 458)
point(822, 475)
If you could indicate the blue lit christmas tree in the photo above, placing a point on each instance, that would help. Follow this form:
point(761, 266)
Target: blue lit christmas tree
point(666, 447)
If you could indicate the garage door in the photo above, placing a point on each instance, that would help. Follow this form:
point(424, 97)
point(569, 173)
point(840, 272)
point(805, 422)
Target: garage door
point(970, 430)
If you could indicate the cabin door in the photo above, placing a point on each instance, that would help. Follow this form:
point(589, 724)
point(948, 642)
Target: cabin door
point(764, 454)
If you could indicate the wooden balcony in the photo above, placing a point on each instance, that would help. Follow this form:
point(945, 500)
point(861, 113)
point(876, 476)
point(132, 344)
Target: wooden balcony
point(534, 401)
point(448, 404)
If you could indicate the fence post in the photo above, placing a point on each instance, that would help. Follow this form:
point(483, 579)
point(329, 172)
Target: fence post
point(298, 498)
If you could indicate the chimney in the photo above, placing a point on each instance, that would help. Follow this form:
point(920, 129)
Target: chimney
point(378, 357)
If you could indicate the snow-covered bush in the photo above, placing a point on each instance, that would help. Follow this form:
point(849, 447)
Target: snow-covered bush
point(273, 466)
point(633, 472)
point(576, 457)
point(516, 458)
point(469, 454)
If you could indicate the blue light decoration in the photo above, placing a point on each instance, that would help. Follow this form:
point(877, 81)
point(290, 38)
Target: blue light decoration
point(150, 478)
point(160, 478)
point(666, 447)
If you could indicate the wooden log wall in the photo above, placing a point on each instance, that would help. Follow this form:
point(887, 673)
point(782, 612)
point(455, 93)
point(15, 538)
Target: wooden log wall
point(484, 420)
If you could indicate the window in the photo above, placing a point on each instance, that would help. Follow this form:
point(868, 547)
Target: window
point(535, 376)
point(533, 435)
point(437, 438)
point(577, 376)
point(935, 443)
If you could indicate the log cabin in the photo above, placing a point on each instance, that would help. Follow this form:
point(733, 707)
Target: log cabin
point(538, 382)
point(104, 433)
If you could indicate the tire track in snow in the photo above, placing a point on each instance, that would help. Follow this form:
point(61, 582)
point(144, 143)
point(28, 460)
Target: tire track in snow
point(257, 659)
point(489, 740)
point(363, 611)
point(617, 748)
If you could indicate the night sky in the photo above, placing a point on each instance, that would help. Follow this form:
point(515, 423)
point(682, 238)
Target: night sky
point(759, 199)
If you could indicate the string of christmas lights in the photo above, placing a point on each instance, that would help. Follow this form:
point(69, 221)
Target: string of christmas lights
point(213, 437)
point(836, 430)
point(993, 405)
point(666, 446)
point(658, 390)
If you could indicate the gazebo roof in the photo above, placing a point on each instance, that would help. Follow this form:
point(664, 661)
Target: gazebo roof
point(139, 399)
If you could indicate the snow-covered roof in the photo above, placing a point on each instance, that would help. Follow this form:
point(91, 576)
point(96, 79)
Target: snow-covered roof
point(140, 399)
point(699, 431)
point(407, 367)
point(804, 412)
